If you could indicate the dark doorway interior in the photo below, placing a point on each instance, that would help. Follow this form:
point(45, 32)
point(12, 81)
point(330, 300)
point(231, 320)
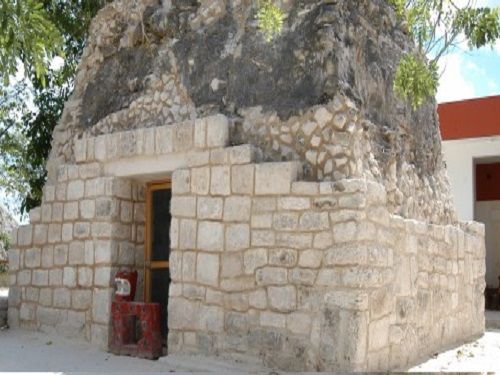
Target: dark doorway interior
point(157, 271)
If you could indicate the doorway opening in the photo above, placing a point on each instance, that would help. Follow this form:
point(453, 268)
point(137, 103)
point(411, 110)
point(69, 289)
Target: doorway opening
point(157, 248)
point(487, 211)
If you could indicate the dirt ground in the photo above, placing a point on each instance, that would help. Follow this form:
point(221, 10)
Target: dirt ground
point(482, 355)
point(33, 351)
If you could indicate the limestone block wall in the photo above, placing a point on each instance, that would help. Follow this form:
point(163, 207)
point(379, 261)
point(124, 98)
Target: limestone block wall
point(436, 297)
point(303, 275)
point(62, 264)
point(91, 224)
point(313, 276)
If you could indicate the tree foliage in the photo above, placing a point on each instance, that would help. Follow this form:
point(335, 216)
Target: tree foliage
point(27, 34)
point(4, 249)
point(416, 79)
point(438, 27)
point(31, 106)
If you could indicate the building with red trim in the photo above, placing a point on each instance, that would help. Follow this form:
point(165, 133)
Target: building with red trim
point(471, 145)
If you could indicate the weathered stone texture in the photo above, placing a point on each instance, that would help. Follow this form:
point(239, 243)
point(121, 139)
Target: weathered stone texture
point(58, 267)
point(312, 225)
point(148, 77)
point(326, 268)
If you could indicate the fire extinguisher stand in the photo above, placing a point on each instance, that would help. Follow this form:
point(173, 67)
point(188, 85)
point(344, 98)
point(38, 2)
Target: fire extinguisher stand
point(136, 326)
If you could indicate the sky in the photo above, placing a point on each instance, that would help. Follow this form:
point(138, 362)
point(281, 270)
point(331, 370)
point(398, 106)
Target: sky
point(470, 74)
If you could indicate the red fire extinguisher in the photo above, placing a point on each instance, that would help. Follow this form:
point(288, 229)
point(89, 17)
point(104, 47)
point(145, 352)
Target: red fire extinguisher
point(126, 284)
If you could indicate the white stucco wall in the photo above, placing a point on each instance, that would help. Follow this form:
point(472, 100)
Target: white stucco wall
point(459, 156)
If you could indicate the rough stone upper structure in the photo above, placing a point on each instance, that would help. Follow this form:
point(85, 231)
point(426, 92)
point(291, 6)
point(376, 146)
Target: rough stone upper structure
point(311, 217)
point(150, 63)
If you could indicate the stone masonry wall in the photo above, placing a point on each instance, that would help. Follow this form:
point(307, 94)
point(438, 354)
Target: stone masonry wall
point(63, 263)
point(334, 141)
point(90, 224)
point(302, 275)
point(313, 276)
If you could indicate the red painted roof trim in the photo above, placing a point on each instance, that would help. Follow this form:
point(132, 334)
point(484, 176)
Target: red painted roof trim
point(471, 118)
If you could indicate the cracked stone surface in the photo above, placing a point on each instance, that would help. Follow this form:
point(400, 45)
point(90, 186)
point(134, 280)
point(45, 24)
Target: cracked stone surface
point(158, 62)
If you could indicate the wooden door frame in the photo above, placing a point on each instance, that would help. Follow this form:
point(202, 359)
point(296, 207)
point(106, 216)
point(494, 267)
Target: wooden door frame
point(148, 263)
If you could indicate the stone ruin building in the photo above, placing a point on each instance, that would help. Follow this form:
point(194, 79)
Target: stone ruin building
point(278, 197)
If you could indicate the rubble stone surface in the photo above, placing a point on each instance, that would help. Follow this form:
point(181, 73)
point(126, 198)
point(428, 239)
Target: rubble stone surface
point(320, 93)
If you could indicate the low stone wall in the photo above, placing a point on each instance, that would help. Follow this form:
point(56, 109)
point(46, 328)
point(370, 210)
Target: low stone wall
point(314, 276)
point(62, 265)
point(90, 224)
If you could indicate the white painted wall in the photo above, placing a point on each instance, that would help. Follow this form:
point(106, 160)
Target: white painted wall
point(459, 156)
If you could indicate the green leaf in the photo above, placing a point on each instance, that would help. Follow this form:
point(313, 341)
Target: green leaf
point(30, 109)
point(270, 19)
point(29, 36)
point(416, 80)
point(436, 26)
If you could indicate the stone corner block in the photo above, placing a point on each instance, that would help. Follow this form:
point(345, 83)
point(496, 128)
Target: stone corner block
point(100, 148)
point(25, 235)
point(100, 336)
point(35, 215)
point(217, 128)
point(242, 154)
point(80, 150)
point(474, 227)
point(181, 181)
point(276, 178)
point(13, 236)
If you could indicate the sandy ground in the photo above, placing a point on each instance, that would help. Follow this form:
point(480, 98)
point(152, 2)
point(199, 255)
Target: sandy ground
point(482, 355)
point(33, 351)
